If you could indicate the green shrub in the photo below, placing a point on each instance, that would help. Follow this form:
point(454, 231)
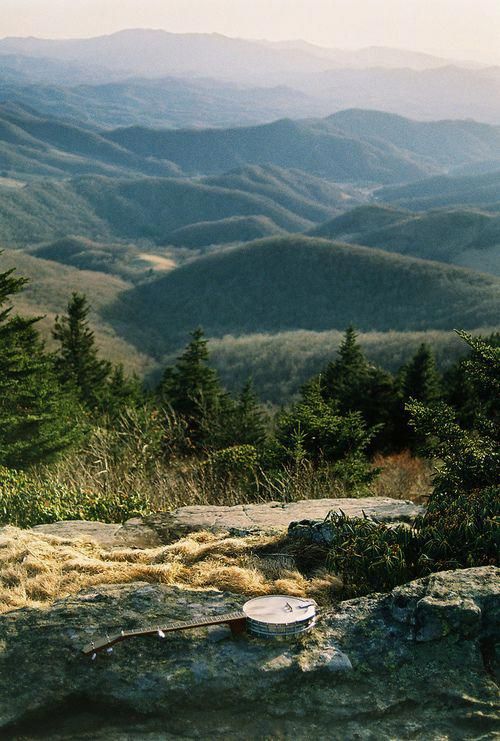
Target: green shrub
point(461, 526)
point(26, 501)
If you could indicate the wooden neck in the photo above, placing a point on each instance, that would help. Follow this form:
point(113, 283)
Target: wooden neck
point(236, 621)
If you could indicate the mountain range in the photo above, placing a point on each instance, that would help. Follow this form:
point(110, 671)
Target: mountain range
point(263, 213)
point(156, 78)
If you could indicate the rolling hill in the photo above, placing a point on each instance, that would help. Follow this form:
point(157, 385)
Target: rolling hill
point(479, 191)
point(123, 260)
point(223, 231)
point(447, 143)
point(399, 81)
point(305, 195)
point(33, 144)
point(313, 146)
point(297, 282)
point(461, 237)
point(166, 102)
point(110, 209)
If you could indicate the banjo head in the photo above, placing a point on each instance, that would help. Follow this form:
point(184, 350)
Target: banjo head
point(279, 615)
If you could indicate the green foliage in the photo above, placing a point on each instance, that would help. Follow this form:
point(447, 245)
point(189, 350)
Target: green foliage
point(38, 420)
point(359, 386)
point(26, 501)
point(191, 389)
point(280, 364)
point(248, 423)
point(370, 557)
point(419, 380)
point(461, 525)
point(77, 361)
point(314, 430)
point(236, 465)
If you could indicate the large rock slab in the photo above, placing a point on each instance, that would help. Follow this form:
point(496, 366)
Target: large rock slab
point(416, 663)
point(267, 517)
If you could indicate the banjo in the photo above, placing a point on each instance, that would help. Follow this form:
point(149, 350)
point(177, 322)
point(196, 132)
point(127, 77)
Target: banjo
point(272, 616)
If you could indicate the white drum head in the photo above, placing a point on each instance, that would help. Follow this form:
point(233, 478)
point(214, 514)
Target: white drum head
point(279, 609)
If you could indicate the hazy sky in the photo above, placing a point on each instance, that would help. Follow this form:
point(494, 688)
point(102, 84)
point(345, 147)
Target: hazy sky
point(459, 28)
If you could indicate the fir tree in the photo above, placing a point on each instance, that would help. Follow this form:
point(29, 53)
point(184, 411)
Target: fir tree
point(37, 419)
point(248, 425)
point(193, 391)
point(358, 386)
point(419, 381)
point(122, 392)
point(77, 360)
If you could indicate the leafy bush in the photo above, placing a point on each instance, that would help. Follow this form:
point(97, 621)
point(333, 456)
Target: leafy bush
point(26, 501)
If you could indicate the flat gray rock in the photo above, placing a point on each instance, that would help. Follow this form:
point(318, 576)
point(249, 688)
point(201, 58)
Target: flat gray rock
point(416, 663)
point(268, 517)
point(276, 516)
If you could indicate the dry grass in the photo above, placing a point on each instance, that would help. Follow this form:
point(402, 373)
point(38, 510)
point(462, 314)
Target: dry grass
point(403, 477)
point(36, 568)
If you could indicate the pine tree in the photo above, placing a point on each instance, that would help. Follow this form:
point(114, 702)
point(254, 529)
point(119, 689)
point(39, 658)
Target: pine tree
point(77, 360)
point(37, 419)
point(122, 392)
point(193, 391)
point(419, 381)
point(358, 386)
point(345, 378)
point(248, 425)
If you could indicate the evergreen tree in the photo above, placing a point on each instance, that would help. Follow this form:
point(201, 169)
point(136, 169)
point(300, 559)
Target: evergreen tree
point(122, 392)
point(358, 386)
point(419, 381)
point(77, 360)
point(37, 419)
point(462, 393)
point(193, 391)
point(248, 425)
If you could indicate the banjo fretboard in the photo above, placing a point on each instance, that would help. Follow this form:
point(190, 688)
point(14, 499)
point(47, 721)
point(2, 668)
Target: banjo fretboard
point(102, 644)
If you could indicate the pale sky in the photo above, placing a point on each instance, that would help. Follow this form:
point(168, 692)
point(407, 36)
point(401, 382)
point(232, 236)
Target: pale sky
point(455, 28)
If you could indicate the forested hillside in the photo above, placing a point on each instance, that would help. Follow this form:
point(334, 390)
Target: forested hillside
point(304, 283)
point(466, 237)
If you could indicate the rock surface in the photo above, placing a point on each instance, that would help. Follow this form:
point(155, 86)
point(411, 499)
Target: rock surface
point(165, 527)
point(414, 664)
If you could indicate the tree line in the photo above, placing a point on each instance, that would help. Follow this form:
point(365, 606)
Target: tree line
point(351, 410)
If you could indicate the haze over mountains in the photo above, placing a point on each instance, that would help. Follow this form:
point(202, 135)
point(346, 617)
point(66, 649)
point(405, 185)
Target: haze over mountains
point(252, 210)
point(133, 77)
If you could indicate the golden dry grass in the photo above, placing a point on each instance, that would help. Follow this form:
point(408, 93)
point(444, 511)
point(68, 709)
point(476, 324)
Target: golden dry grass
point(37, 568)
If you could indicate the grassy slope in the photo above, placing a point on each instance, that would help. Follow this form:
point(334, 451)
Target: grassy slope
point(48, 292)
point(122, 260)
point(298, 282)
point(223, 231)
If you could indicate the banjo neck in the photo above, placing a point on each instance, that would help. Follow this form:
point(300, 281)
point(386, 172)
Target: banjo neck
point(236, 621)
